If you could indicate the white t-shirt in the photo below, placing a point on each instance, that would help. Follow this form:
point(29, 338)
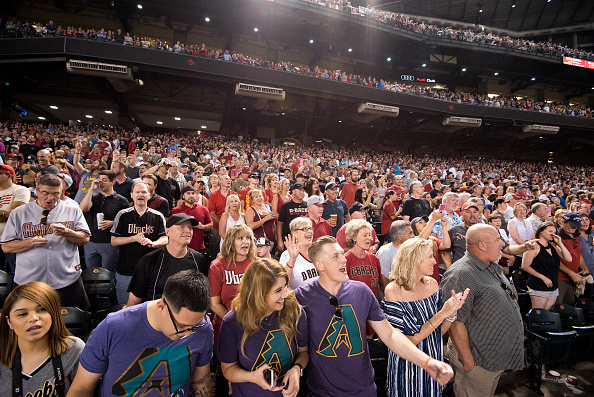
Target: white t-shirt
point(386, 255)
point(304, 271)
point(10, 195)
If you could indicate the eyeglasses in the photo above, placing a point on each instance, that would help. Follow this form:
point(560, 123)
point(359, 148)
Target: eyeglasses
point(183, 331)
point(52, 194)
point(44, 215)
point(338, 312)
point(306, 229)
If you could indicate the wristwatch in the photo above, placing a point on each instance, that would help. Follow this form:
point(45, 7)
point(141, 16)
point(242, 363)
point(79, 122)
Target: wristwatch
point(300, 368)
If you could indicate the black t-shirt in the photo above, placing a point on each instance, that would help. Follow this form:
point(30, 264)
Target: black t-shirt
point(109, 206)
point(28, 149)
point(124, 188)
point(128, 223)
point(416, 207)
point(156, 267)
point(169, 189)
point(289, 211)
point(458, 239)
point(132, 172)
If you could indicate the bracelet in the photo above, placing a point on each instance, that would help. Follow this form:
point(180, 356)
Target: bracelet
point(300, 366)
point(290, 267)
point(452, 319)
point(425, 363)
point(431, 325)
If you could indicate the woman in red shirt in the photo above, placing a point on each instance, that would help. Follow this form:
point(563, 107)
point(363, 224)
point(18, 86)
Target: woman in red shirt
point(225, 274)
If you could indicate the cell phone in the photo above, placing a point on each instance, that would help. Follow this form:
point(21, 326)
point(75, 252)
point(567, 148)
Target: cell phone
point(270, 377)
point(441, 207)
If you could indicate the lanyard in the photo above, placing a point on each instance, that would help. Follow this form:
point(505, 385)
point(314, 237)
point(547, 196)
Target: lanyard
point(17, 378)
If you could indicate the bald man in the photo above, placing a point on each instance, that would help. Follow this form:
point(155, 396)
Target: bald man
point(488, 333)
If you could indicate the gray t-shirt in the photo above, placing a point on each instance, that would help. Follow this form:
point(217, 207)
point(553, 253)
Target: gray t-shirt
point(40, 382)
point(86, 179)
point(458, 239)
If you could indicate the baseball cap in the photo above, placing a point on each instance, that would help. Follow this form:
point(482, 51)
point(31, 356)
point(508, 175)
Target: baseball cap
point(7, 169)
point(263, 241)
point(331, 185)
point(498, 201)
point(31, 158)
point(245, 170)
point(164, 162)
point(509, 197)
point(297, 185)
point(315, 200)
point(179, 218)
point(467, 205)
point(543, 197)
point(574, 219)
point(356, 207)
point(67, 178)
point(414, 222)
point(254, 175)
point(186, 189)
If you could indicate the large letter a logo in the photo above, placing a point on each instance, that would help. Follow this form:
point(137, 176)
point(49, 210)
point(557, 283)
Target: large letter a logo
point(345, 332)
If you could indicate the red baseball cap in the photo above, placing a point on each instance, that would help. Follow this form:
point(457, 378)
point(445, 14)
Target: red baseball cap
point(7, 169)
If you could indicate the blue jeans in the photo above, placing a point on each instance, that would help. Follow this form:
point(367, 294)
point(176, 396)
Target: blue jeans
point(122, 283)
point(101, 255)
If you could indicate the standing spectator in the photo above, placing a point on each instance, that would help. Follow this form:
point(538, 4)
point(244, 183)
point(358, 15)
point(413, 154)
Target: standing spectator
point(156, 202)
point(136, 230)
point(542, 264)
point(470, 215)
point(315, 209)
point(400, 231)
point(243, 181)
point(335, 210)
point(350, 187)
point(263, 247)
point(587, 250)
point(414, 306)
point(174, 173)
point(190, 206)
point(87, 175)
point(450, 203)
point(339, 362)
point(156, 267)
point(289, 211)
point(245, 350)
point(520, 230)
point(123, 184)
point(45, 235)
point(33, 327)
point(99, 252)
point(415, 206)
point(216, 205)
point(167, 187)
point(499, 207)
point(227, 270)
point(232, 216)
point(176, 333)
point(569, 271)
point(487, 336)
point(296, 257)
point(399, 189)
point(11, 197)
point(389, 214)
point(246, 201)
point(538, 216)
point(281, 196)
point(259, 217)
point(357, 211)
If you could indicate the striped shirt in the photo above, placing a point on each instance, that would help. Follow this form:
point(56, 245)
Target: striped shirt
point(491, 316)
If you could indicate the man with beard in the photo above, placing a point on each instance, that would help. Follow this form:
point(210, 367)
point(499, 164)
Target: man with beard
point(470, 216)
point(167, 187)
point(190, 207)
point(123, 184)
point(290, 210)
point(156, 267)
point(156, 202)
point(398, 187)
point(99, 252)
point(350, 187)
point(415, 206)
point(137, 230)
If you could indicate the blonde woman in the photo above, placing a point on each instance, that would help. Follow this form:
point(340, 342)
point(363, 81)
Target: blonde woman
point(520, 230)
point(232, 216)
point(264, 306)
point(270, 187)
point(414, 306)
point(259, 217)
point(296, 257)
point(282, 195)
point(238, 250)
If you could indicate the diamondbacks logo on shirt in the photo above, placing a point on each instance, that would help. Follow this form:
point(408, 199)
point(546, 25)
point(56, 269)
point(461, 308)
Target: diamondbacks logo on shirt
point(345, 332)
point(163, 371)
point(43, 229)
point(232, 278)
point(276, 352)
point(134, 229)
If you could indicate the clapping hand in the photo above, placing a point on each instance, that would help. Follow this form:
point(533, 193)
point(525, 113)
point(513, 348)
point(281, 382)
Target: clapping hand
point(451, 306)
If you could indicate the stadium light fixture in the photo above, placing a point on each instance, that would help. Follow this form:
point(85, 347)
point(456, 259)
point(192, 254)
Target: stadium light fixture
point(389, 59)
point(108, 112)
point(41, 118)
point(311, 41)
point(88, 116)
point(496, 74)
point(255, 29)
point(423, 65)
point(350, 50)
point(464, 69)
point(159, 122)
point(139, 6)
point(207, 19)
point(177, 118)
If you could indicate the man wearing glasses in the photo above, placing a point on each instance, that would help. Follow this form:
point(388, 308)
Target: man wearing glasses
point(488, 335)
point(161, 347)
point(338, 309)
point(45, 235)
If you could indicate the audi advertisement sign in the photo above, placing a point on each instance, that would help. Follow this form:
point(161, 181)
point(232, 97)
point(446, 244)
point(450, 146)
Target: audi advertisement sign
point(410, 77)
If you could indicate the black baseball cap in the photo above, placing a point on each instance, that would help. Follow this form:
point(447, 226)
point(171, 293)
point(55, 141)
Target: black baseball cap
point(180, 218)
point(186, 189)
point(297, 185)
point(356, 207)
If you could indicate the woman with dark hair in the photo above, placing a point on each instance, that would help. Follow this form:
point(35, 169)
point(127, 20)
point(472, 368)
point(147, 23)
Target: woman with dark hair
point(543, 266)
point(37, 353)
point(238, 250)
point(587, 250)
point(312, 188)
point(263, 308)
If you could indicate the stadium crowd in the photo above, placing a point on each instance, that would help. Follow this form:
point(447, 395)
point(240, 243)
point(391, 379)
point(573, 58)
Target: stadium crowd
point(501, 101)
point(377, 246)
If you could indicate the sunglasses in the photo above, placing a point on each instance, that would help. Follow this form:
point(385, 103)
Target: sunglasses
point(183, 331)
point(338, 310)
point(510, 292)
point(44, 215)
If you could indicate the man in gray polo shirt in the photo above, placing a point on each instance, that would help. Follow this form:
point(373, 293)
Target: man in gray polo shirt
point(488, 335)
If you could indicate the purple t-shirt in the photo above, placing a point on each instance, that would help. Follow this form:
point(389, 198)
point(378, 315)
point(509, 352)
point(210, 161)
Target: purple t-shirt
point(339, 362)
point(134, 357)
point(267, 346)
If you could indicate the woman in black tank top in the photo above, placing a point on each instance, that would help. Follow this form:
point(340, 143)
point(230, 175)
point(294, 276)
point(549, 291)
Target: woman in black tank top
point(543, 266)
